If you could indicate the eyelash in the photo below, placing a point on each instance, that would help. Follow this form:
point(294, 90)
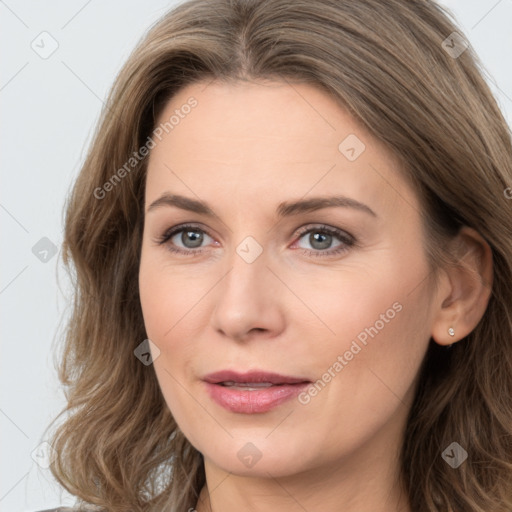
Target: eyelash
point(347, 240)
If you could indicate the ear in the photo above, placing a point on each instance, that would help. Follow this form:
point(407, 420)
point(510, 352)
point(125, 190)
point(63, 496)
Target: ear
point(466, 288)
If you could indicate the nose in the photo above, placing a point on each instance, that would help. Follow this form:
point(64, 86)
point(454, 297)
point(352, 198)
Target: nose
point(249, 300)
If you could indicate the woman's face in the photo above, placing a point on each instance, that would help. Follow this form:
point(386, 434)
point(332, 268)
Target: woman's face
point(280, 239)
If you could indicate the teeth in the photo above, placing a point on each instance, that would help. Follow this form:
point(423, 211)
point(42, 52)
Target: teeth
point(231, 383)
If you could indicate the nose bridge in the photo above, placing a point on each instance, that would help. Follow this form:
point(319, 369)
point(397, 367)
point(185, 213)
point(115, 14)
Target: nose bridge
point(248, 277)
point(247, 297)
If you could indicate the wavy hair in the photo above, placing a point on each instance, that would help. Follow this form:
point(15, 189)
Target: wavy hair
point(119, 448)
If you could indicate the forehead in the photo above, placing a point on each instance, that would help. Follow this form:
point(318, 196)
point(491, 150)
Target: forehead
point(258, 116)
point(270, 136)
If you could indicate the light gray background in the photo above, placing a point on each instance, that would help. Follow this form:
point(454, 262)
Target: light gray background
point(49, 110)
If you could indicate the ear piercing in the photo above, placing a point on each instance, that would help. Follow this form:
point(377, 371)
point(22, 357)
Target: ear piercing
point(451, 332)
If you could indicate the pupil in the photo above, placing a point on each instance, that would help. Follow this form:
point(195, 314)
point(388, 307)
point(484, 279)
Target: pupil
point(325, 240)
point(195, 237)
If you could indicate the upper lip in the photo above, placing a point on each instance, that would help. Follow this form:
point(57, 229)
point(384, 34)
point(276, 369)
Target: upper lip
point(252, 376)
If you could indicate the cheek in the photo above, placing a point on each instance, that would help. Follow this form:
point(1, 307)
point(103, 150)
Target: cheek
point(165, 302)
point(366, 314)
point(372, 300)
point(172, 303)
point(374, 311)
point(167, 296)
point(153, 299)
point(379, 334)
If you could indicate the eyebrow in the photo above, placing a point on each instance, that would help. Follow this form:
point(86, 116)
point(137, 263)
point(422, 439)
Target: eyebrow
point(285, 209)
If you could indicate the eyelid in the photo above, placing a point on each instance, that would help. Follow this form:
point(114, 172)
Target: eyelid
point(183, 227)
point(341, 233)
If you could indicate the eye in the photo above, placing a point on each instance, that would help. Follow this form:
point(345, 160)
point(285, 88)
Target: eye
point(322, 237)
point(188, 240)
point(192, 237)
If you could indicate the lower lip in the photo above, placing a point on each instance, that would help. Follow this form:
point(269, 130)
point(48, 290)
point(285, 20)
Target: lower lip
point(256, 401)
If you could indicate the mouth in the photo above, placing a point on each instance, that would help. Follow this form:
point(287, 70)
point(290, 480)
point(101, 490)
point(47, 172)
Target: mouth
point(248, 386)
point(254, 377)
point(252, 392)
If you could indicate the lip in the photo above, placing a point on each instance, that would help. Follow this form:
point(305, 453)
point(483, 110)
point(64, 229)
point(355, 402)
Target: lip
point(253, 401)
point(252, 376)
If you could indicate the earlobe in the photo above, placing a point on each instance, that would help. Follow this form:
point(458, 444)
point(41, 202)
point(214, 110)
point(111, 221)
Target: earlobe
point(469, 282)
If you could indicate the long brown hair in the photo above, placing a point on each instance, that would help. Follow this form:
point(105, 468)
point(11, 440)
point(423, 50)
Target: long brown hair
point(119, 447)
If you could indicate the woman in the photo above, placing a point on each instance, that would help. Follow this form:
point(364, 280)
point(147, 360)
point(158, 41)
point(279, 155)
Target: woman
point(293, 251)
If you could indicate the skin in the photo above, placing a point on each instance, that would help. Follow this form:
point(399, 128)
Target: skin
point(245, 148)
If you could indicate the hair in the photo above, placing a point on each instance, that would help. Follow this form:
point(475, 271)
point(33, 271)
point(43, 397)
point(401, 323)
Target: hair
point(119, 447)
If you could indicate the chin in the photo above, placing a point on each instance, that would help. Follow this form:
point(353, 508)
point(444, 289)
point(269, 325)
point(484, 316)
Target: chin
point(258, 455)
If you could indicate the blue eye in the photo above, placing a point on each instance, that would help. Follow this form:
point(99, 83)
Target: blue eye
point(320, 238)
point(190, 234)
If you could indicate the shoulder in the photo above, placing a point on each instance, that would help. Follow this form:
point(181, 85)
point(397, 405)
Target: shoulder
point(77, 508)
point(67, 509)
point(58, 509)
